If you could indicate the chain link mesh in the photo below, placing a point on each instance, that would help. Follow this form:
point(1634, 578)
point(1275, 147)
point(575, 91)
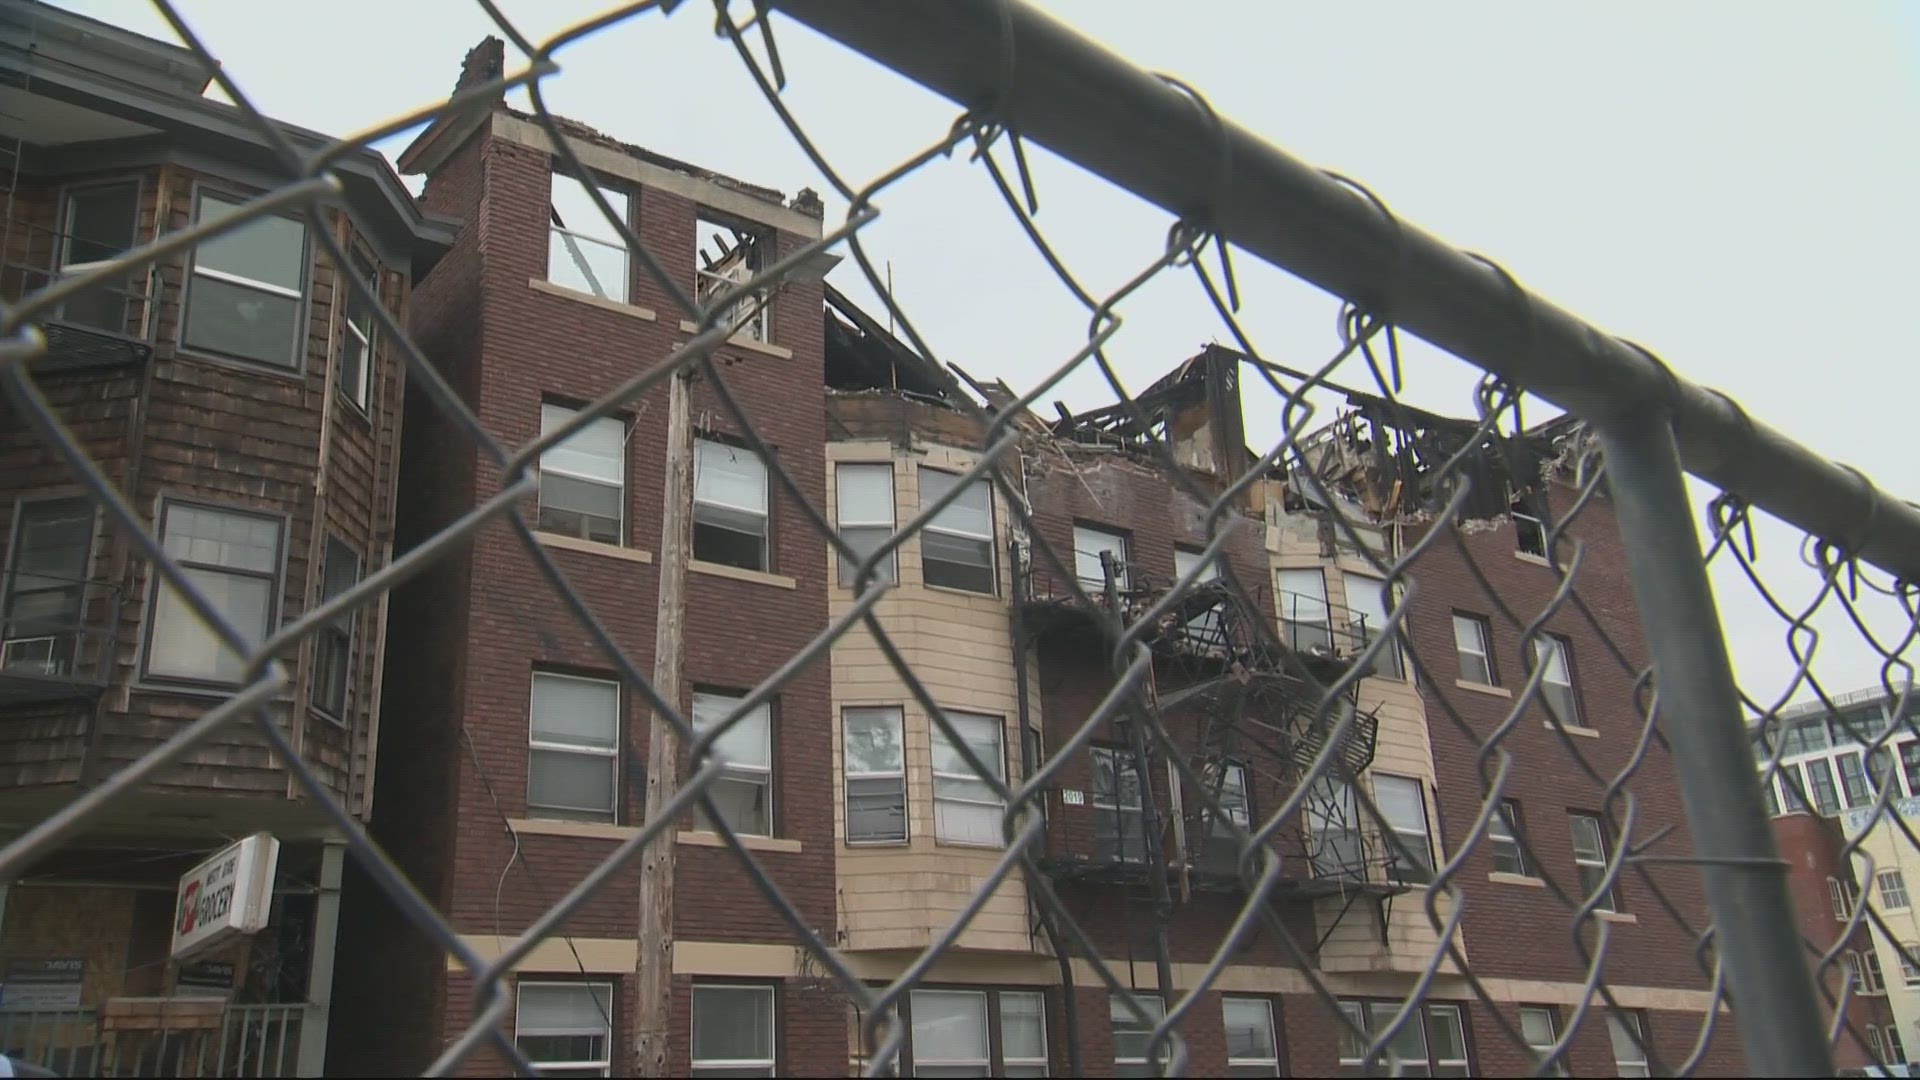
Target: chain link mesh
point(1344, 423)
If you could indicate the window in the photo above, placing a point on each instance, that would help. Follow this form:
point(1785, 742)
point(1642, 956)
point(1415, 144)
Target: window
point(1792, 789)
point(1529, 532)
point(744, 793)
point(356, 344)
point(100, 220)
point(1556, 681)
point(1876, 981)
point(1826, 800)
point(1853, 781)
point(732, 1030)
point(875, 767)
point(1503, 836)
point(1837, 893)
point(1874, 1045)
point(1910, 764)
point(865, 506)
point(729, 256)
point(333, 645)
point(1893, 889)
point(1207, 630)
point(1303, 611)
point(1472, 641)
point(584, 250)
point(243, 299)
point(1629, 1039)
point(1333, 830)
point(1896, 1053)
point(1540, 1026)
point(1119, 820)
point(1590, 855)
point(574, 748)
point(1252, 1049)
point(966, 809)
point(1804, 736)
point(1431, 1043)
point(583, 478)
point(1856, 978)
point(956, 547)
point(729, 506)
point(565, 1029)
point(233, 558)
point(1403, 804)
point(1367, 610)
point(40, 615)
point(953, 1033)
point(1089, 544)
point(1131, 1035)
point(1880, 770)
point(1909, 970)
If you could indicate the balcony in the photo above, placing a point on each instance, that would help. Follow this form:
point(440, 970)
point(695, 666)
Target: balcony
point(50, 649)
point(104, 326)
point(158, 1037)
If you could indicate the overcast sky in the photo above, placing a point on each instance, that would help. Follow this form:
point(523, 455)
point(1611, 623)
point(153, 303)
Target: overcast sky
point(1731, 184)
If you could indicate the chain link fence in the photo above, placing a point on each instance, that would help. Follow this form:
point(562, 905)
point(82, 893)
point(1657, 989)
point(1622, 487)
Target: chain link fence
point(1397, 487)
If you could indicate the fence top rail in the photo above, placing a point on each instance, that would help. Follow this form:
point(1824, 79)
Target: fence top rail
point(1007, 62)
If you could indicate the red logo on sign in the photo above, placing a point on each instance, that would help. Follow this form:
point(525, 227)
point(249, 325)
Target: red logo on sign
point(189, 911)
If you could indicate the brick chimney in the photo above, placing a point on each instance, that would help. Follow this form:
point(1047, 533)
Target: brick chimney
point(487, 60)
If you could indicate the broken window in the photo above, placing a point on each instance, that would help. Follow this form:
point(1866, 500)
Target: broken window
point(729, 256)
point(1302, 600)
point(729, 506)
point(1529, 531)
point(585, 252)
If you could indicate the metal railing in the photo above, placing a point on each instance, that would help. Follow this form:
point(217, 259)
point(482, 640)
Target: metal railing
point(1019, 77)
point(246, 1041)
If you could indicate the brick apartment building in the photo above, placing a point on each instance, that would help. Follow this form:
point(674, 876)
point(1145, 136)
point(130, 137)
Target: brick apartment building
point(248, 408)
point(499, 758)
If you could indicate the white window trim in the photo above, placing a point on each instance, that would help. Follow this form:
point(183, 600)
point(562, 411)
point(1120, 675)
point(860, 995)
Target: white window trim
point(1611, 902)
point(695, 1065)
point(1116, 1004)
point(619, 199)
point(1559, 1067)
point(602, 991)
point(1837, 894)
point(1043, 1063)
point(1273, 1035)
point(889, 568)
point(1909, 971)
point(762, 774)
point(247, 282)
point(361, 394)
point(1137, 810)
point(1120, 549)
point(626, 432)
point(1886, 898)
point(1548, 645)
point(848, 776)
point(1000, 728)
point(986, 1034)
point(933, 526)
point(612, 753)
point(1390, 653)
point(1426, 824)
point(1630, 1022)
point(1484, 653)
point(1499, 821)
point(1459, 1028)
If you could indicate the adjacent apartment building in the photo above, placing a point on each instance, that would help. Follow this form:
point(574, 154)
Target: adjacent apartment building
point(246, 406)
point(1835, 763)
point(497, 756)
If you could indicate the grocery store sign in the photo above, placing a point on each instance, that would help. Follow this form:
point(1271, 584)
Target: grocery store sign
point(226, 897)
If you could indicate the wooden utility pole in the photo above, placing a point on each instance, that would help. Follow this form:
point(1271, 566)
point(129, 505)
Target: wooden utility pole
point(653, 958)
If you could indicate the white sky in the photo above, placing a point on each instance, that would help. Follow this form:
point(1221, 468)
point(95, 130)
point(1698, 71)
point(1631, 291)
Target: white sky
point(1732, 185)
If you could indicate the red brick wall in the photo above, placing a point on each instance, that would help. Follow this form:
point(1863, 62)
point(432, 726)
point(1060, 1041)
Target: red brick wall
point(1813, 848)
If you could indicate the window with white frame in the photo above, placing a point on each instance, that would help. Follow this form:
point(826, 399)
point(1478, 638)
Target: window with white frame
point(1826, 799)
point(1856, 978)
point(565, 1028)
point(246, 292)
point(1206, 630)
point(1853, 781)
point(1874, 1045)
point(1909, 970)
point(1333, 830)
point(1367, 614)
point(956, 547)
point(355, 378)
point(1910, 765)
point(966, 809)
point(1896, 1053)
point(1876, 982)
point(1093, 548)
point(1837, 893)
point(1119, 819)
point(1131, 1035)
point(1529, 531)
point(333, 643)
point(1253, 1048)
point(1629, 1044)
point(874, 766)
point(864, 504)
point(100, 222)
point(729, 506)
point(1472, 642)
point(585, 252)
point(583, 478)
point(1403, 804)
point(574, 748)
point(744, 792)
point(733, 1030)
point(233, 558)
point(1556, 681)
point(1432, 1042)
point(1590, 857)
point(1540, 1026)
point(1893, 889)
point(976, 1032)
point(729, 255)
point(1503, 839)
point(1302, 600)
point(46, 587)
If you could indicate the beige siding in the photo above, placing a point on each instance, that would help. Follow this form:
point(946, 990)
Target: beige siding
point(960, 646)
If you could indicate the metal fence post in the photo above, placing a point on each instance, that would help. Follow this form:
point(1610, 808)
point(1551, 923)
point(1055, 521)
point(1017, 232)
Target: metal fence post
point(1755, 934)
